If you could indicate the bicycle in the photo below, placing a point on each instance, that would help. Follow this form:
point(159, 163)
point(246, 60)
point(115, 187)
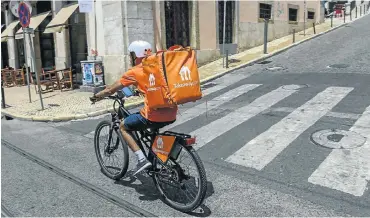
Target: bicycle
point(163, 156)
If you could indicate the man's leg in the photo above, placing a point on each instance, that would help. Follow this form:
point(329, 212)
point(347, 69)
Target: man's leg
point(135, 122)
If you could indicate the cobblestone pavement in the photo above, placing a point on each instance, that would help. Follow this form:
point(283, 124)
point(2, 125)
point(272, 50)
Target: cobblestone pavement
point(70, 105)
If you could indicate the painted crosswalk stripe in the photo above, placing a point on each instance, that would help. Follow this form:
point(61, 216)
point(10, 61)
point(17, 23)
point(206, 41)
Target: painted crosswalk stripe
point(218, 127)
point(261, 150)
point(225, 81)
point(211, 104)
point(347, 170)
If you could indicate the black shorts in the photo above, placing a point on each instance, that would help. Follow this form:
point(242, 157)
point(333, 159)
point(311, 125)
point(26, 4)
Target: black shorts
point(136, 122)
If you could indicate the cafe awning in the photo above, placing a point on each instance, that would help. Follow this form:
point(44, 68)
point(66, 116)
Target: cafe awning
point(8, 30)
point(34, 23)
point(56, 25)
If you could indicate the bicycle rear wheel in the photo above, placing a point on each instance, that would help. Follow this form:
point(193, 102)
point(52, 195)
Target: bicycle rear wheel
point(114, 142)
point(173, 179)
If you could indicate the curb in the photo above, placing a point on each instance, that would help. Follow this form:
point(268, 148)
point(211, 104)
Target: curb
point(203, 81)
point(66, 118)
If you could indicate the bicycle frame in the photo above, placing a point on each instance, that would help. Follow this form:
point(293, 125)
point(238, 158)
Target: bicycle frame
point(146, 137)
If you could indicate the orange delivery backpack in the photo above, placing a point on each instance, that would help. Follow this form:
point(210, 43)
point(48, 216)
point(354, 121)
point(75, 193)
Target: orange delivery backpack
point(171, 78)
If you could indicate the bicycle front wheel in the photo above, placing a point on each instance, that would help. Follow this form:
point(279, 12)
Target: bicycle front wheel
point(111, 150)
point(182, 187)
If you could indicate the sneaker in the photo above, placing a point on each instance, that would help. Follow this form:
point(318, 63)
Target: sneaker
point(142, 165)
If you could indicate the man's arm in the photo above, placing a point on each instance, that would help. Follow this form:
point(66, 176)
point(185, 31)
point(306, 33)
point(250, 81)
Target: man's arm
point(110, 90)
point(127, 79)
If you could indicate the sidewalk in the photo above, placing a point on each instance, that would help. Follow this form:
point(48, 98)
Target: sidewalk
point(71, 105)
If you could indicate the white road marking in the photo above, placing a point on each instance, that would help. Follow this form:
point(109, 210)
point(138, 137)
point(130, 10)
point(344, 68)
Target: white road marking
point(211, 104)
point(347, 170)
point(218, 127)
point(265, 147)
point(225, 82)
point(351, 116)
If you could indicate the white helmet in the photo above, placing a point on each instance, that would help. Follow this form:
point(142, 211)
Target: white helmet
point(139, 48)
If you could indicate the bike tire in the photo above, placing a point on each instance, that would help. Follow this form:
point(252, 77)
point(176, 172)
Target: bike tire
point(98, 155)
point(203, 185)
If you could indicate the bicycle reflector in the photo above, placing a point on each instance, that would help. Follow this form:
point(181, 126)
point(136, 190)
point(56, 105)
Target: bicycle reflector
point(190, 141)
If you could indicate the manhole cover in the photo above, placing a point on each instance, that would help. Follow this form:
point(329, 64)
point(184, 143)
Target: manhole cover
point(338, 139)
point(338, 66)
point(294, 87)
point(208, 85)
point(275, 68)
point(264, 62)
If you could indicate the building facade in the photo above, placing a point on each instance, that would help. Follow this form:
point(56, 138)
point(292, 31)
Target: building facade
point(65, 36)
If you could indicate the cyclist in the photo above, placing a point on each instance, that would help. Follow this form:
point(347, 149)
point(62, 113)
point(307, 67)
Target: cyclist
point(146, 118)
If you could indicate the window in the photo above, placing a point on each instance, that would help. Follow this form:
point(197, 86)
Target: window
point(311, 15)
point(293, 14)
point(265, 11)
point(228, 22)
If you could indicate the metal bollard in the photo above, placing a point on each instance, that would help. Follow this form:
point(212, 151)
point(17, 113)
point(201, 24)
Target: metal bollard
point(350, 14)
point(360, 10)
point(331, 20)
point(265, 37)
point(344, 16)
point(356, 11)
point(314, 29)
point(2, 95)
point(227, 58)
point(293, 35)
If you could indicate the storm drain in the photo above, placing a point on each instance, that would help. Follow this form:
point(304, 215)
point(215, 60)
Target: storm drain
point(338, 139)
point(275, 68)
point(208, 85)
point(340, 66)
point(54, 105)
point(264, 62)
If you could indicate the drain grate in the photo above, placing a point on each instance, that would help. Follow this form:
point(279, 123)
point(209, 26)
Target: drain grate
point(264, 62)
point(54, 105)
point(338, 66)
point(275, 68)
point(209, 85)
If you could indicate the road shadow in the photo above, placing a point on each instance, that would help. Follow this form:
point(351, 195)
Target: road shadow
point(149, 192)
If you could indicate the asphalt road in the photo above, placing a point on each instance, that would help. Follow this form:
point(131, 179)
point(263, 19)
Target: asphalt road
point(255, 131)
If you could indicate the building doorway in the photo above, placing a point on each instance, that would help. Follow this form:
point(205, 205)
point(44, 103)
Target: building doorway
point(230, 5)
point(177, 23)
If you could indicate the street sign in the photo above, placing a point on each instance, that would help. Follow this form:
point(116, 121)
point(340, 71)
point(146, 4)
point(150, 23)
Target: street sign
point(14, 4)
point(24, 15)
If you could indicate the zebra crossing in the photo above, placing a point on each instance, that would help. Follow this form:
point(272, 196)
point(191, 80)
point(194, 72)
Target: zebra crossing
point(345, 170)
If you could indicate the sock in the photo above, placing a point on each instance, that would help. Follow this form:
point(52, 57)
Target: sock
point(140, 155)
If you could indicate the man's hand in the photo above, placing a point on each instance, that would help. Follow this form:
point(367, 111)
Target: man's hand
point(108, 91)
point(94, 99)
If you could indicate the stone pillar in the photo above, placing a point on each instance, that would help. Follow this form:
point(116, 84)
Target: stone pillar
point(12, 44)
point(159, 27)
point(61, 41)
point(115, 39)
point(194, 24)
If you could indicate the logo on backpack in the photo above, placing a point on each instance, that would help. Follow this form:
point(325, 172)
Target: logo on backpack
point(160, 143)
point(185, 73)
point(151, 80)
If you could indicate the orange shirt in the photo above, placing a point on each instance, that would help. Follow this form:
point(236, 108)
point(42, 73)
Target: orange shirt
point(131, 77)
